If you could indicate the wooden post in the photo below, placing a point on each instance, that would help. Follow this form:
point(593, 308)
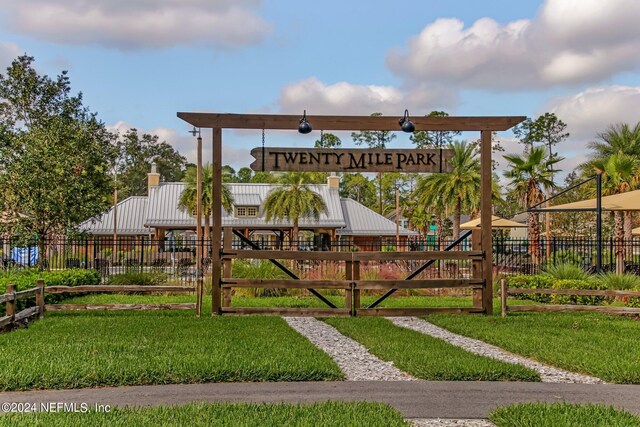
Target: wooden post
point(356, 291)
point(10, 306)
point(476, 267)
point(226, 265)
point(485, 220)
point(348, 294)
point(503, 297)
point(40, 298)
point(199, 287)
point(216, 216)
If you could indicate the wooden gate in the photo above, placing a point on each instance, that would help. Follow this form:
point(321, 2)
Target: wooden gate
point(353, 160)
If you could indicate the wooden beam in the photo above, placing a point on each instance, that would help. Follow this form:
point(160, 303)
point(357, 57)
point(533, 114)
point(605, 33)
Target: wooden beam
point(117, 289)
point(351, 256)
point(276, 311)
point(577, 292)
point(562, 307)
point(417, 283)
point(353, 123)
point(199, 234)
point(119, 307)
point(485, 220)
point(415, 311)
point(285, 284)
point(216, 216)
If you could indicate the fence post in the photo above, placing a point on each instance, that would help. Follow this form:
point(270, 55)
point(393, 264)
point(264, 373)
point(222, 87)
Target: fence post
point(348, 293)
point(10, 306)
point(503, 296)
point(227, 246)
point(356, 291)
point(40, 298)
point(141, 253)
point(86, 253)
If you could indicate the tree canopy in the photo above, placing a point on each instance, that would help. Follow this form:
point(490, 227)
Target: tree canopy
point(55, 154)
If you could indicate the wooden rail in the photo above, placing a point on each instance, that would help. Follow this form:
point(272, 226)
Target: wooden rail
point(13, 318)
point(352, 256)
point(506, 291)
point(117, 289)
point(10, 298)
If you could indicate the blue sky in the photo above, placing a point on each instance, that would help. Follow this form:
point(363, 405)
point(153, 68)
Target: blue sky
point(138, 62)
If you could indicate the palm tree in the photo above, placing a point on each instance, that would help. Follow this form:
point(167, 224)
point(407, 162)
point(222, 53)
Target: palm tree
point(459, 189)
point(189, 196)
point(618, 138)
point(431, 200)
point(620, 174)
point(529, 174)
point(294, 200)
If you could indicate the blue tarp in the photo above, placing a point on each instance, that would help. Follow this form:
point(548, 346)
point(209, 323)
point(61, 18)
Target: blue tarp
point(25, 256)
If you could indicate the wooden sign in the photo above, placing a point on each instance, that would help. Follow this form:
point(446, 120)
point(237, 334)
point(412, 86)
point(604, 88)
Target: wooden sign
point(270, 159)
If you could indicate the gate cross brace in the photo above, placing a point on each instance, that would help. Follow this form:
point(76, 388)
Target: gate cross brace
point(420, 269)
point(285, 269)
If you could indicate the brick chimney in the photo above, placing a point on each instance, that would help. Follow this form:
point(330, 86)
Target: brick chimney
point(153, 178)
point(333, 181)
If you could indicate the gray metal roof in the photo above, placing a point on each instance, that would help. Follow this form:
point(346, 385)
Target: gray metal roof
point(130, 219)
point(246, 199)
point(362, 221)
point(163, 211)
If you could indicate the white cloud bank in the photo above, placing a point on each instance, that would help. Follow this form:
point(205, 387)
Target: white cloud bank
point(135, 24)
point(8, 52)
point(318, 97)
point(568, 42)
point(186, 144)
point(593, 110)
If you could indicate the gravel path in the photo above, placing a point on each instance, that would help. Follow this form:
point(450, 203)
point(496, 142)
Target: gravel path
point(547, 373)
point(356, 362)
point(440, 422)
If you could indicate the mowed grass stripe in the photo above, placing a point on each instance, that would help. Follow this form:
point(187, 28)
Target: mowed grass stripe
point(607, 347)
point(222, 414)
point(426, 357)
point(88, 349)
point(562, 414)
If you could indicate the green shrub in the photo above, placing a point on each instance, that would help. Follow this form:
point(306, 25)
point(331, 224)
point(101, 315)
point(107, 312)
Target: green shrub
point(576, 299)
point(566, 271)
point(26, 279)
point(137, 278)
point(533, 282)
point(618, 282)
point(260, 269)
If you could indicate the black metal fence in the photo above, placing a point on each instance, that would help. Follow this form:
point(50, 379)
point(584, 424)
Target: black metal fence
point(177, 259)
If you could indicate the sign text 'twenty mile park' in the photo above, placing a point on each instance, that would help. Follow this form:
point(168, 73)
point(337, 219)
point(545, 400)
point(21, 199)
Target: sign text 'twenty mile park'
point(272, 159)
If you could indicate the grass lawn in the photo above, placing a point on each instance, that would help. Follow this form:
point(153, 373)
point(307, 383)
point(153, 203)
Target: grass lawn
point(562, 414)
point(426, 357)
point(605, 346)
point(85, 349)
point(289, 301)
point(221, 414)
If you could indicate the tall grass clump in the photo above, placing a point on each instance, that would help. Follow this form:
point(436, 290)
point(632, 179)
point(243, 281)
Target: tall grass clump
point(566, 271)
point(618, 282)
point(258, 269)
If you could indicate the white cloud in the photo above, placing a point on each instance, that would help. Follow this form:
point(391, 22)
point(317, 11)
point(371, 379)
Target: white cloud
point(8, 52)
point(186, 144)
point(134, 24)
point(593, 109)
point(347, 98)
point(568, 42)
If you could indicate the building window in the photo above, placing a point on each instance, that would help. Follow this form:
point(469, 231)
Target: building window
point(246, 211)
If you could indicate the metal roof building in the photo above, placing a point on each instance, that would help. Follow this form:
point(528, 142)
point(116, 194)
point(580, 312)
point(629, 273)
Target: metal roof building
point(142, 215)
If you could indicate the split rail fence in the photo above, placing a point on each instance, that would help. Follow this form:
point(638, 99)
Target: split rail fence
point(505, 291)
point(11, 297)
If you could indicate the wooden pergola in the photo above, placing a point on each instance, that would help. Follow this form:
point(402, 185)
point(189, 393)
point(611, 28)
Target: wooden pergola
point(482, 257)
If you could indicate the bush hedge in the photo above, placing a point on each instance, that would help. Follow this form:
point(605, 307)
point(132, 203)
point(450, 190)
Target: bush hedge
point(26, 279)
point(609, 281)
